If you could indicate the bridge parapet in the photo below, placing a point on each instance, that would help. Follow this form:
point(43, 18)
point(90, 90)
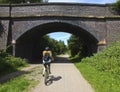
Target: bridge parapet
point(55, 9)
point(4, 10)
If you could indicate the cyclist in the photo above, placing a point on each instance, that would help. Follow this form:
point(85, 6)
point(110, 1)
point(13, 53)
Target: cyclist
point(47, 58)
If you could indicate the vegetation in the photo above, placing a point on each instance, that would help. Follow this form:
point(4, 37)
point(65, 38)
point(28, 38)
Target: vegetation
point(9, 63)
point(116, 7)
point(24, 82)
point(57, 47)
point(76, 46)
point(17, 85)
point(103, 69)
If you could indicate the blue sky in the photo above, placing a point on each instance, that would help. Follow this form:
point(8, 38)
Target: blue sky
point(65, 36)
point(85, 1)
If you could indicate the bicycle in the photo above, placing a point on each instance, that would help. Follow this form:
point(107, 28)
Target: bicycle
point(46, 75)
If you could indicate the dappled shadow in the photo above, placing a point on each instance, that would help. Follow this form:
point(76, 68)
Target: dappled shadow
point(52, 78)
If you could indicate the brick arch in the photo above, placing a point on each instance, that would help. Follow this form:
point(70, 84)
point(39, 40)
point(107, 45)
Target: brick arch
point(36, 25)
point(30, 37)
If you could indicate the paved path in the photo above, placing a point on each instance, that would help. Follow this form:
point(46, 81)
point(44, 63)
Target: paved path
point(65, 78)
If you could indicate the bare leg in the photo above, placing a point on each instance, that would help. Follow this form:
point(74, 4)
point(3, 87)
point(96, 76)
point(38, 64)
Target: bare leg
point(49, 68)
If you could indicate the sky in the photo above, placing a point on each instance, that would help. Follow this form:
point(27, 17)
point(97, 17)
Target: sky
point(85, 1)
point(65, 36)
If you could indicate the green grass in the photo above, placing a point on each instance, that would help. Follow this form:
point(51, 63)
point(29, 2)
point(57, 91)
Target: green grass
point(100, 81)
point(102, 70)
point(10, 64)
point(24, 82)
point(15, 85)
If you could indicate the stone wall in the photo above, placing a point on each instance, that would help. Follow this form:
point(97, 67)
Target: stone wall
point(94, 18)
point(60, 9)
point(4, 35)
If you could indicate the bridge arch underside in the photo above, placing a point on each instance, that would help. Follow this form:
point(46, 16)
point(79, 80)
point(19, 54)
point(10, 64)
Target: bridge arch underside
point(28, 45)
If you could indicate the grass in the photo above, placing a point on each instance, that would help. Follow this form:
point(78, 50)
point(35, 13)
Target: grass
point(15, 85)
point(100, 81)
point(102, 70)
point(24, 82)
point(10, 64)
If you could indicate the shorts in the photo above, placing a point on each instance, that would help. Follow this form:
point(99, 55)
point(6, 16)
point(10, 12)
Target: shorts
point(49, 61)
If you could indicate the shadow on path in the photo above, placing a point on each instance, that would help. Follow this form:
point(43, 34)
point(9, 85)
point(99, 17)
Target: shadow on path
point(57, 59)
point(17, 73)
point(11, 76)
point(52, 78)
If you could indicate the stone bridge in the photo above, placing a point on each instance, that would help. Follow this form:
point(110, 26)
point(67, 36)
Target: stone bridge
point(25, 24)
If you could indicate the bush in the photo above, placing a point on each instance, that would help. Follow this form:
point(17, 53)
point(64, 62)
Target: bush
point(9, 63)
point(102, 70)
point(107, 60)
point(16, 61)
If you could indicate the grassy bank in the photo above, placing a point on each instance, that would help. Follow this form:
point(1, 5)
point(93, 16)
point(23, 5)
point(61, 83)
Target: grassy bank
point(103, 69)
point(15, 85)
point(100, 81)
point(24, 82)
point(9, 63)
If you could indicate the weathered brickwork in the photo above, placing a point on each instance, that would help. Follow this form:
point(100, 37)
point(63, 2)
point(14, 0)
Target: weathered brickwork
point(4, 35)
point(4, 10)
point(76, 10)
point(92, 22)
point(113, 29)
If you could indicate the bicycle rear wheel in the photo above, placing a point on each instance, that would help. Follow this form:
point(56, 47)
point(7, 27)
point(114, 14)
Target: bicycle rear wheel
point(46, 75)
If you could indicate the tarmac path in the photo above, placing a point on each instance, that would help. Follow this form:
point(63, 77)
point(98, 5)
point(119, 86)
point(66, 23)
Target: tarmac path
point(64, 78)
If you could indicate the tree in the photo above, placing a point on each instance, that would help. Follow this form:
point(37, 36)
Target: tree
point(62, 47)
point(57, 47)
point(75, 45)
point(116, 7)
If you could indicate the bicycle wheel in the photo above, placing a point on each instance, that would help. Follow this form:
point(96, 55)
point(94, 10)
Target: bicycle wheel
point(46, 77)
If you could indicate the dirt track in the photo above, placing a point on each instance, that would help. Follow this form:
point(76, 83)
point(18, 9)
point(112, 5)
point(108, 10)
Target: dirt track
point(64, 78)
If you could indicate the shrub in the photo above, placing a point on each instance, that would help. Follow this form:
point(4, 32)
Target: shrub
point(107, 60)
point(9, 63)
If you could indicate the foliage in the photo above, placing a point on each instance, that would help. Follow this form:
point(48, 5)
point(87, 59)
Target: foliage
point(75, 45)
point(16, 85)
point(116, 7)
point(62, 47)
point(107, 60)
point(103, 69)
point(57, 47)
point(9, 63)
point(23, 83)
point(100, 81)
point(22, 1)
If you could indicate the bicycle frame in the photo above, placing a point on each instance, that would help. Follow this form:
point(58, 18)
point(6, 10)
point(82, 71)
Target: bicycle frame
point(46, 75)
